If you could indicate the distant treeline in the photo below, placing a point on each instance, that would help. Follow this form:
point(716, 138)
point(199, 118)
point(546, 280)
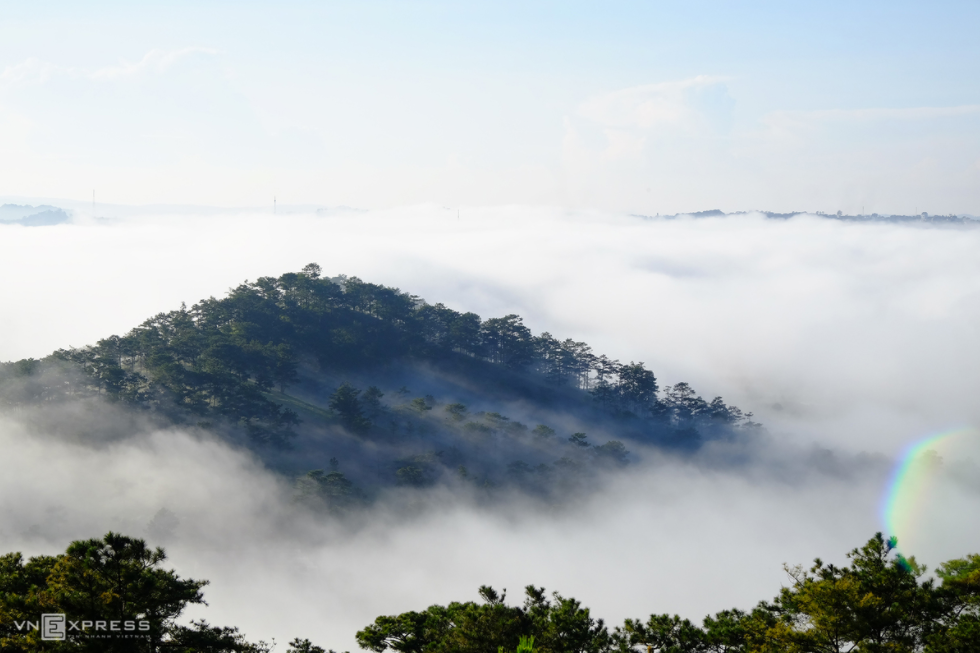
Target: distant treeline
point(917, 218)
point(227, 356)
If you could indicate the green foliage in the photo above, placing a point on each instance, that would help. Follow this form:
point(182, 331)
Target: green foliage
point(304, 646)
point(525, 645)
point(562, 624)
point(660, 634)
point(25, 367)
point(876, 604)
point(964, 572)
point(613, 451)
point(564, 362)
point(284, 366)
point(638, 386)
point(371, 401)
point(457, 412)
point(457, 628)
point(876, 601)
point(345, 403)
point(958, 608)
point(312, 270)
point(411, 476)
point(543, 432)
point(558, 625)
point(507, 341)
point(579, 439)
point(201, 636)
point(477, 431)
point(333, 490)
point(115, 578)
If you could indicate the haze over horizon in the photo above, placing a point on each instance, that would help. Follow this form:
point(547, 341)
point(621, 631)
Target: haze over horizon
point(639, 107)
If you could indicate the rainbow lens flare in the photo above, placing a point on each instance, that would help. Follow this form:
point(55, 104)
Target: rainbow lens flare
point(933, 496)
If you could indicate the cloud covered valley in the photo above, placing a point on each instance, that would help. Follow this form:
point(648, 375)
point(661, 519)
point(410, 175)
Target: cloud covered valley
point(847, 341)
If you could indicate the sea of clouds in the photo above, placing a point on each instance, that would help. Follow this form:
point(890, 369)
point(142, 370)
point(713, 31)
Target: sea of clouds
point(853, 338)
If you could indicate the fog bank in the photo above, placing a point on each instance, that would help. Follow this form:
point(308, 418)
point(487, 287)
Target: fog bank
point(669, 535)
point(858, 335)
point(851, 337)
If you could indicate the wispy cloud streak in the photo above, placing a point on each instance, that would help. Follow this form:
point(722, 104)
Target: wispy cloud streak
point(34, 71)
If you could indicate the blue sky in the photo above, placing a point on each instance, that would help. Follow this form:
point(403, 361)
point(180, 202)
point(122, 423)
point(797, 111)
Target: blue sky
point(637, 106)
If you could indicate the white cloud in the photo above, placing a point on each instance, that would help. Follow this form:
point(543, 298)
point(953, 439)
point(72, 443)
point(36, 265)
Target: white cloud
point(676, 146)
point(671, 537)
point(656, 148)
point(636, 122)
point(665, 138)
point(29, 72)
point(34, 71)
point(668, 105)
point(873, 114)
point(803, 126)
point(156, 61)
point(15, 130)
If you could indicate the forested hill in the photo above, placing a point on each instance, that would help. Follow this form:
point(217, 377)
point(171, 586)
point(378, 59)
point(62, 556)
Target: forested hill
point(341, 373)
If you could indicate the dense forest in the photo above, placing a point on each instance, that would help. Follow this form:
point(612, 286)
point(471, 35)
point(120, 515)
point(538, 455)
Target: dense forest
point(880, 602)
point(317, 375)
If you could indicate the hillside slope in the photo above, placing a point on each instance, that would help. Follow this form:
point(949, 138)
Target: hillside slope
point(355, 387)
